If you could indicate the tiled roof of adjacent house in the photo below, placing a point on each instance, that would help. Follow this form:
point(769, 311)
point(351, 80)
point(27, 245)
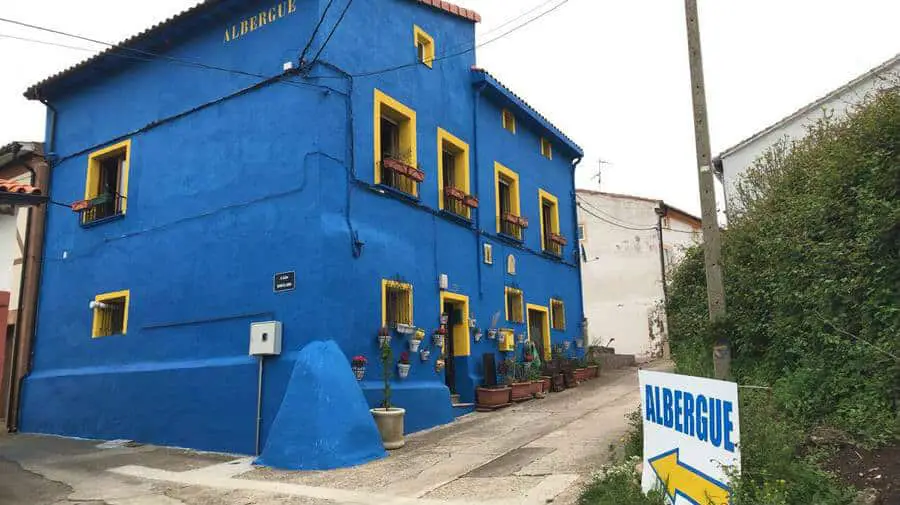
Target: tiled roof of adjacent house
point(33, 92)
point(10, 186)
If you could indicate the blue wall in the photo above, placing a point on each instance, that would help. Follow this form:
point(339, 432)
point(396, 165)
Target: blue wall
point(271, 180)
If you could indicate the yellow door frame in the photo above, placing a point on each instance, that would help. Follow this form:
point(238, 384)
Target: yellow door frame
point(546, 311)
point(461, 344)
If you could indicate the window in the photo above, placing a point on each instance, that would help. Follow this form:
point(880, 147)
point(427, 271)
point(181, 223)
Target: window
point(396, 303)
point(424, 47)
point(453, 175)
point(509, 219)
point(110, 314)
point(509, 121)
point(552, 242)
point(511, 265)
point(515, 305)
point(546, 149)
point(581, 232)
point(557, 314)
point(106, 187)
point(489, 254)
point(395, 146)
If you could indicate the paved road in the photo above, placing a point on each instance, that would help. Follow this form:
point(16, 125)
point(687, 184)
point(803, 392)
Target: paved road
point(535, 452)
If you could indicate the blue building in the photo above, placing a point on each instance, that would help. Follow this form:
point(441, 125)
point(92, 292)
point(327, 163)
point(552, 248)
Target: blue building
point(364, 154)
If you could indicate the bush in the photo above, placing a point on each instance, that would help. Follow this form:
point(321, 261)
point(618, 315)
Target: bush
point(619, 485)
point(812, 278)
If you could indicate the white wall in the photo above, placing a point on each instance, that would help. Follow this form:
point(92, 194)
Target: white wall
point(736, 163)
point(622, 279)
point(9, 251)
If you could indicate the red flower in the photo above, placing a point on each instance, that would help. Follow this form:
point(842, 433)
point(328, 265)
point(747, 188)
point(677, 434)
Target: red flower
point(359, 361)
point(404, 358)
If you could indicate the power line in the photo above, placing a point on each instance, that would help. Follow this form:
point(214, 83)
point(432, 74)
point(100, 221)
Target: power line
point(333, 29)
point(510, 21)
point(192, 63)
point(614, 223)
point(610, 216)
point(452, 55)
point(626, 225)
point(315, 31)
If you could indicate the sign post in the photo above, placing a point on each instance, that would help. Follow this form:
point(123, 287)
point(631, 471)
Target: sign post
point(691, 437)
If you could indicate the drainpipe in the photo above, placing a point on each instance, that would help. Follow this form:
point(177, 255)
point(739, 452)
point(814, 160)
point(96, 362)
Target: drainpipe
point(476, 172)
point(29, 282)
point(584, 335)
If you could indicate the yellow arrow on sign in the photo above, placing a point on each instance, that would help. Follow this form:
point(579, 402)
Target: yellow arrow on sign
point(681, 479)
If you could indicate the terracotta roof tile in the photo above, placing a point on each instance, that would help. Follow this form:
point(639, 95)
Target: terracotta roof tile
point(9, 186)
point(453, 9)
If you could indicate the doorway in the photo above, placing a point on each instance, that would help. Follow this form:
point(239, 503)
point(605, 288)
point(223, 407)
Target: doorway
point(456, 344)
point(539, 329)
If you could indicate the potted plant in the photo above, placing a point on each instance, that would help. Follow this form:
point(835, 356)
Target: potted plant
point(403, 365)
point(416, 339)
point(425, 354)
point(358, 365)
point(515, 377)
point(384, 336)
point(388, 419)
point(471, 201)
point(533, 372)
point(405, 329)
point(492, 398)
point(439, 365)
point(439, 335)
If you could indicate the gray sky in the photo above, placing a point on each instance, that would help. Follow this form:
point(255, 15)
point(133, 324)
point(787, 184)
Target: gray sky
point(612, 74)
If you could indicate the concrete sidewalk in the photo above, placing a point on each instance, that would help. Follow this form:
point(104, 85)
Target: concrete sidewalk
point(534, 452)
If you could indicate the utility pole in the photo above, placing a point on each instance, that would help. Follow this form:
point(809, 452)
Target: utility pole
point(712, 237)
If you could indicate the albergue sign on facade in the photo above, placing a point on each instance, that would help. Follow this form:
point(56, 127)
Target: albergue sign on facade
point(257, 21)
point(691, 437)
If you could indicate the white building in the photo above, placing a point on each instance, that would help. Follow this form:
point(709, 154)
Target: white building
point(732, 163)
point(622, 267)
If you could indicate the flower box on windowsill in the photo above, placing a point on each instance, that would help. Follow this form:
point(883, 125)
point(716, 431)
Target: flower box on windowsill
point(471, 201)
point(455, 193)
point(402, 168)
point(558, 239)
point(516, 220)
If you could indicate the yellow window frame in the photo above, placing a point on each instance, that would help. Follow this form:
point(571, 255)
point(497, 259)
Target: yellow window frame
point(462, 163)
point(460, 332)
point(502, 171)
point(508, 119)
point(488, 254)
point(105, 297)
point(545, 196)
point(546, 149)
point(421, 36)
point(557, 323)
point(546, 312)
point(387, 283)
point(406, 119)
point(507, 291)
point(92, 179)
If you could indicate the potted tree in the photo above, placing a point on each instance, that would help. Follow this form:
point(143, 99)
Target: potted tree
point(388, 419)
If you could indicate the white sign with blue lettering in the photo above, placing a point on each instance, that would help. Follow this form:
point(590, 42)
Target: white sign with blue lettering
point(691, 437)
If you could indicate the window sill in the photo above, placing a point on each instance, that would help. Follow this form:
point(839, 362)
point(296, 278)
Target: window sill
point(105, 220)
point(456, 217)
point(395, 193)
point(510, 238)
point(548, 254)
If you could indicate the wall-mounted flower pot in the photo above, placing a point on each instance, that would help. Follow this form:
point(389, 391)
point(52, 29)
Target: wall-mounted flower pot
point(425, 355)
point(383, 339)
point(579, 343)
point(359, 372)
point(403, 370)
point(390, 426)
point(521, 391)
point(566, 345)
point(492, 334)
point(520, 338)
point(439, 365)
point(478, 335)
point(414, 345)
point(492, 398)
point(438, 340)
point(405, 329)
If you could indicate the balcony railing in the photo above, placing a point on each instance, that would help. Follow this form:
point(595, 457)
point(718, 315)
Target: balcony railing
point(513, 226)
point(554, 243)
point(100, 207)
point(456, 201)
point(399, 174)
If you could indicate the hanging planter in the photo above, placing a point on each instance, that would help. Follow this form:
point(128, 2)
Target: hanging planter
point(405, 329)
point(414, 344)
point(492, 334)
point(579, 343)
point(438, 337)
point(358, 365)
point(444, 319)
point(403, 365)
point(439, 365)
point(566, 345)
point(420, 334)
point(478, 334)
point(384, 336)
point(520, 338)
point(425, 355)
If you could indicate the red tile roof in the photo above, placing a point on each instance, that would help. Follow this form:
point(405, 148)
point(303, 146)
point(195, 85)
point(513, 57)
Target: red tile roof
point(9, 186)
point(453, 9)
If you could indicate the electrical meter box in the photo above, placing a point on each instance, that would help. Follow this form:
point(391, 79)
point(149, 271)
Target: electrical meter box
point(265, 338)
